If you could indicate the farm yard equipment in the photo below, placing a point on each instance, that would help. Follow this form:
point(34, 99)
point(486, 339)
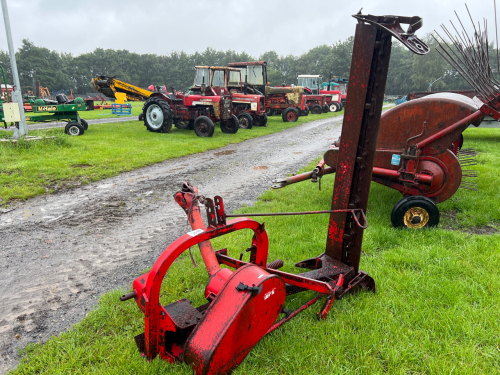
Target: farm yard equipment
point(418, 153)
point(249, 108)
point(113, 87)
point(53, 110)
point(162, 110)
point(342, 86)
point(277, 99)
point(315, 100)
point(419, 150)
point(243, 305)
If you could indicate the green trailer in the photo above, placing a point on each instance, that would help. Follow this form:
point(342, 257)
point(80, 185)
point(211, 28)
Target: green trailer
point(44, 110)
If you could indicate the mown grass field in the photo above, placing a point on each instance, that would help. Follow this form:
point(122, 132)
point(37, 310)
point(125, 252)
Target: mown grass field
point(28, 169)
point(436, 309)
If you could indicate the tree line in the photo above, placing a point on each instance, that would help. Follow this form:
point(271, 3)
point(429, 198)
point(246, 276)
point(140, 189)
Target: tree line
point(58, 70)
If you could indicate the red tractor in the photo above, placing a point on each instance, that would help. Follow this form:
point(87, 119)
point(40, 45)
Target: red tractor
point(207, 102)
point(317, 102)
point(333, 89)
point(289, 101)
point(340, 84)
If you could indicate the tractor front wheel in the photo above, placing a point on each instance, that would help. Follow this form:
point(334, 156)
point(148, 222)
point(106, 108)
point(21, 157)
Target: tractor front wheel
point(84, 123)
point(157, 115)
point(316, 109)
point(261, 120)
point(290, 115)
point(304, 112)
point(415, 212)
point(334, 107)
point(230, 126)
point(183, 125)
point(204, 127)
point(74, 128)
point(270, 112)
point(246, 120)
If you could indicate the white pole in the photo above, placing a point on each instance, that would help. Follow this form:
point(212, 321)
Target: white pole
point(17, 96)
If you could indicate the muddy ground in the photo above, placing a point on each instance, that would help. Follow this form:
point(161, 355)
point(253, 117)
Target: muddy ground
point(60, 252)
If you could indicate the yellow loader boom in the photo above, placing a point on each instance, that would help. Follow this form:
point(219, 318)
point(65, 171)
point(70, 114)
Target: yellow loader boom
point(115, 88)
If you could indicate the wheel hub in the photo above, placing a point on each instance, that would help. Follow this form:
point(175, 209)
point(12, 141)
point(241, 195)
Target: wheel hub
point(73, 130)
point(416, 218)
point(154, 116)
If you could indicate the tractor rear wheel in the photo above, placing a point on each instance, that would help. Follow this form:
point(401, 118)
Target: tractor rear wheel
point(157, 115)
point(316, 109)
point(84, 123)
point(334, 107)
point(246, 120)
point(415, 212)
point(261, 120)
point(74, 128)
point(230, 126)
point(203, 126)
point(290, 115)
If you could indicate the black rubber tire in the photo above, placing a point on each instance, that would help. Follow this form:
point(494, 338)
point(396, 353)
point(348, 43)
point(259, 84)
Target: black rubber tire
point(326, 109)
point(426, 212)
point(184, 125)
point(304, 112)
point(261, 121)
point(84, 123)
point(157, 115)
point(334, 107)
point(246, 121)
point(203, 126)
point(316, 109)
point(74, 128)
point(230, 126)
point(270, 112)
point(141, 116)
point(290, 115)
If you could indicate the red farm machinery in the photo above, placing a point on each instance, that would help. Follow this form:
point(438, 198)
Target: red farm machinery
point(419, 150)
point(246, 304)
point(316, 101)
point(289, 101)
point(198, 110)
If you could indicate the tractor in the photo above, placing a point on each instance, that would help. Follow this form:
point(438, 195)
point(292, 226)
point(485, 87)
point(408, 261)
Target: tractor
point(315, 100)
point(249, 107)
point(287, 100)
point(341, 84)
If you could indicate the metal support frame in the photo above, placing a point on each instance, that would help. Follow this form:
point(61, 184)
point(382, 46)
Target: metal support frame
point(16, 94)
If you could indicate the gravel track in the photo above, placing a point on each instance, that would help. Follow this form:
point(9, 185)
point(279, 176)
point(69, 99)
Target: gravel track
point(60, 252)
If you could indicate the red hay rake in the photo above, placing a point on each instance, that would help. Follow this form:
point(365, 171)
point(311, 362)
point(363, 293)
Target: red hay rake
point(419, 148)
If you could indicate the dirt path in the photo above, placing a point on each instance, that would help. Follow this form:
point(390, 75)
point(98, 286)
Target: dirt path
point(60, 252)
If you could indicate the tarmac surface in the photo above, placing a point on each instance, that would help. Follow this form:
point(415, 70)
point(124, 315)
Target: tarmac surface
point(60, 252)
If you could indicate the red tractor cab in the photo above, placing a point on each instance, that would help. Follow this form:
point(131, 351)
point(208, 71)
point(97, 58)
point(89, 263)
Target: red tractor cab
point(277, 99)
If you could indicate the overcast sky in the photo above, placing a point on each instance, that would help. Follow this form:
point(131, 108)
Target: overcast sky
point(253, 26)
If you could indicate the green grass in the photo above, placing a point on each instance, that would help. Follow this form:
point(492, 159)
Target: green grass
point(105, 150)
point(436, 309)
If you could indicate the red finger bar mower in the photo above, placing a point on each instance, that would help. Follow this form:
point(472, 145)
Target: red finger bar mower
point(246, 304)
